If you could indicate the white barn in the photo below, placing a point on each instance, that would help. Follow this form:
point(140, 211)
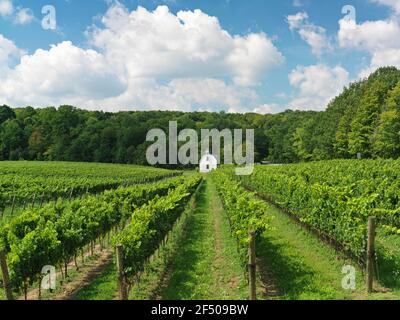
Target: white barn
point(208, 163)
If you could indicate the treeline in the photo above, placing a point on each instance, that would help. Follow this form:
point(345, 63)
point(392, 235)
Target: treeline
point(364, 119)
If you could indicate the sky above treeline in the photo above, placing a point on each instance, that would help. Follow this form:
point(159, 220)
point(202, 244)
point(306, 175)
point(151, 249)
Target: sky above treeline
point(209, 55)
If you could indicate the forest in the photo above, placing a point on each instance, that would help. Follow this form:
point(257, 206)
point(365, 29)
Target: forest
point(364, 118)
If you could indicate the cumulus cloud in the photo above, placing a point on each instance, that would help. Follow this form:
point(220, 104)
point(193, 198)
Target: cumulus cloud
point(184, 94)
point(394, 4)
point(315, 36)
point(146, 60)
point(254, 107)
point(191, 43)
point(370, 35)
point(63, 72)
point(268, 108)
point(18, 15)
point(379, 38)
point(387, 57)
point(6, 7)
point(24, 16)
point(317, 85)
point(9, 54)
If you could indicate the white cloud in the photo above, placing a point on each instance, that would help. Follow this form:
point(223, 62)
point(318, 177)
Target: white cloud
point(9, 54)
point(24, 16)
point(18, 15)
point(297, 3)
point(370, 35)
point(316, 85)
point(394, 4)
point(384, 58)
point(315, 36)
point(190, 44)
point(183, 94)
point(268, 108)
point(6, 7)
point(380, 38)
point(63, 72)
point(146, 60)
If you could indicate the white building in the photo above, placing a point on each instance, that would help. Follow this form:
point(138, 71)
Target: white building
point(208, 163)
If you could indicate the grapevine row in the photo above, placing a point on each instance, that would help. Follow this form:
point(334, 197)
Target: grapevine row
point(335, 198)
point(22, 183)
point(151, 223)
point(55, 233)
point(245, 212)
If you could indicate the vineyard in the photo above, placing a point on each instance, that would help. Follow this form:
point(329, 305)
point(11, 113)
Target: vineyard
point(172, 235)
point(27, 183)
point(336, 197)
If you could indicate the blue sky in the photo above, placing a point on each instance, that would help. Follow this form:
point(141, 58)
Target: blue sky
point(299, 58)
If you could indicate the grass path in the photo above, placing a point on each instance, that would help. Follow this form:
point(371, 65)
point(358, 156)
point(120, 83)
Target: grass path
point(305, 268)
point(200, 262)
point(207, 265)
point(103, 287)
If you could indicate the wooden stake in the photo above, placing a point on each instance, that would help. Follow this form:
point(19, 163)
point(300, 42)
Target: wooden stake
point(26, 289)
point(370, 254)
point(252, 266)
point(40, 289)
point(123, 294)
point(41, 200)
point(50, 283)
point(66, 269)
point(33, 200)
point(6, 277)
point(13, 205)
point(76, 262)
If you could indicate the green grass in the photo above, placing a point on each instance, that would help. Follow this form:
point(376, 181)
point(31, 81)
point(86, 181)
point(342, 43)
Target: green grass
point(303, 267)
point(103, 287)
point(388, 261)
point(207, 265)
point(156, 275)
point(199, 262)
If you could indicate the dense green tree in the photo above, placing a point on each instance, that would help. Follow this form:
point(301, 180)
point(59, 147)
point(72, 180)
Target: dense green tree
point(12, 141)
point(36, 145)
point(6, 113)
point(387, 136)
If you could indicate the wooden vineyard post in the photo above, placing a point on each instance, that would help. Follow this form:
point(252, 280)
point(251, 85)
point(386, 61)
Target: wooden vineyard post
point(123, 294)
point(40, 288)
point(6, 277)
point(370, 254)
point(13, 205)
point(41, 199)
point(252, 266)
point(33, 200)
